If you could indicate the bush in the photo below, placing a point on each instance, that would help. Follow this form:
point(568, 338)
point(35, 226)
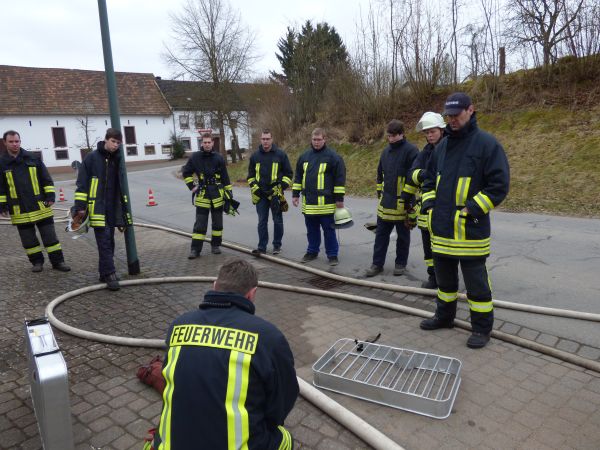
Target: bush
point(178, 151)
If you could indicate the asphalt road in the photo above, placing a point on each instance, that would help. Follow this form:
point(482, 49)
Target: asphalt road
point(536, 259)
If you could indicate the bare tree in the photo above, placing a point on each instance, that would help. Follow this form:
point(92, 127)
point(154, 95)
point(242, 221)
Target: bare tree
point(211, 44)
point(422, 49)
point(87, 131)
point(543, 24)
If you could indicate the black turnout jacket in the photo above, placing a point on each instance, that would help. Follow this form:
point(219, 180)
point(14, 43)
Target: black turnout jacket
point(230, 380)
point(468, 169)
point(25, 185)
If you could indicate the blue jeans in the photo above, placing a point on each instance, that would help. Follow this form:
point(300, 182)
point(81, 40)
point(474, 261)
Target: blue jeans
point(313, 233)
point(105, 240)
point(382, 241)
point(262, 209)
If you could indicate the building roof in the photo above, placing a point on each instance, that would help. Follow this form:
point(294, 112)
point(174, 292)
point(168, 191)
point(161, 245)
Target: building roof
point(41, 91)
point(198, 96)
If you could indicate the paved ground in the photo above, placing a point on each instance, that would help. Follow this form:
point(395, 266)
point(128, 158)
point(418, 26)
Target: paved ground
point(509, 397)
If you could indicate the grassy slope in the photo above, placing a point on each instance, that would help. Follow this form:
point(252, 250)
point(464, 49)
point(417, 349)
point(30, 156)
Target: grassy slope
point(554, 156)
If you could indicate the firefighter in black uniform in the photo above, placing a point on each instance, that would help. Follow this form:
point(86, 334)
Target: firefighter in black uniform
point(321, 177)
point(211, 193)
point(98, 191)
point(394, 165)
point(432, 125)
point(230, 378)
point(26, 194)
point(269, 175)
point(469, 176)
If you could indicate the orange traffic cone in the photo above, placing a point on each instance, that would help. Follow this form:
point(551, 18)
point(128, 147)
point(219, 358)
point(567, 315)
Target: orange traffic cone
point(151, 201)
point(61, 195)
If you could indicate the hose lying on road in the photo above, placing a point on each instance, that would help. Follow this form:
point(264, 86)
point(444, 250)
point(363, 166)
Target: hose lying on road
point(580, 315)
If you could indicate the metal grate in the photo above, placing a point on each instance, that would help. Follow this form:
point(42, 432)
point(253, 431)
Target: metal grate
point(423, 383)
point(323, 283)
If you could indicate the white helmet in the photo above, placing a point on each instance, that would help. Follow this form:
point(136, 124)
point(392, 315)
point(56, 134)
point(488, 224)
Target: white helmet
point(430, 120)
point(78, 225)
point(342, 219)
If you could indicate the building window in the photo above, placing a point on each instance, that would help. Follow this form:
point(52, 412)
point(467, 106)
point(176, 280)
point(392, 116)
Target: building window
point(130, 136)
point(167, 149)
point(187, 144)
point(214, 122)
point(199, 120)
point(149, 150)
point(184, 121)
point(62, 154)
point(131, 150)
point(59, 137)
point(38, 154)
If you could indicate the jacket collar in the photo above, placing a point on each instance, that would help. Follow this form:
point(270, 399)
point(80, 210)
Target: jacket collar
point(216, 299)
point(397, 144)
point(469, 128)
point(262, 150)
point(105, 153)
point(8, 159)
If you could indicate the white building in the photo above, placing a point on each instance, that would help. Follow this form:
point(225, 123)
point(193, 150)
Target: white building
point(59, 113)
point(194, 113)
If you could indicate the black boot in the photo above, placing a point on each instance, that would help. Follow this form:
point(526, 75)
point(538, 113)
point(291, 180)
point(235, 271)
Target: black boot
point(431, 283)
point(435, 323)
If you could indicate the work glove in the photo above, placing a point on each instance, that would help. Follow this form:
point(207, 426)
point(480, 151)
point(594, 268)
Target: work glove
point(48, 203)
point(411, 219)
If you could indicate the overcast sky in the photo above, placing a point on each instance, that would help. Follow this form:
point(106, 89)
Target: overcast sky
point(66, 33)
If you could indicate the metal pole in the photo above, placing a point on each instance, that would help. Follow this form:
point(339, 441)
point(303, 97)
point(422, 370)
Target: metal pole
point(133, 262)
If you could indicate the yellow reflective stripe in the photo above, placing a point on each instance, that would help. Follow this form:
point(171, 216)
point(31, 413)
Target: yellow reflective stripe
point(460, 223)
point(82, 196)
point(125, 199)
point(462, 190)
point(304, 167)
point(34, 180)
point(321, 176)
point(447, 296)
point(410, 189)
point(251, 180)
point(428, 196)
point(379, 186)
point(399, 186)
point(339, 190)
point(238, 427)
point(187, 180)
point(49, 189)
point(429, 262)
point(54, 248)
point(229, 187)
point(437, 181)
point(297, 187)
point(286, 439)
point(318, 209)
point(217, 233)
point(460, 248)
point(3, 199)
point(482, 307)
point(274, 171)
point(93, 188)
point(12, 190)
point(287, 180)
point(257, 170)
point(198, 236)
point(484, 202)
point(33, 250)
point(165, 418)
point(415, 176)
point(27, 217)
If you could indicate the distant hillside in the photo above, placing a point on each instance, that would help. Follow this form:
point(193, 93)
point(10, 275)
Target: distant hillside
point(550, 130)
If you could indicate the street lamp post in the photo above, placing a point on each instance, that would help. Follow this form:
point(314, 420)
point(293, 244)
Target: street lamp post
point(133, 263)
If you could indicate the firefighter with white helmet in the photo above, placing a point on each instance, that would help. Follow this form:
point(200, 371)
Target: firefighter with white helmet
point(432, 125)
